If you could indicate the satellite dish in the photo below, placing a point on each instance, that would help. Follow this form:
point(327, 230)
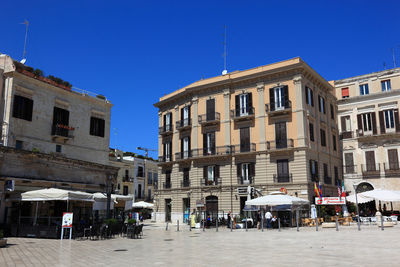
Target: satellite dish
point(23, 61)
point(224, 72)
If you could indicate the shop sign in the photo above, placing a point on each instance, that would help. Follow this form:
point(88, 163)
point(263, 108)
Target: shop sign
point(330, 201)
point(67, 220)
point(199, 203)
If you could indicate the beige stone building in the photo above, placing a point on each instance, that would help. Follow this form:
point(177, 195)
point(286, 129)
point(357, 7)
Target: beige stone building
point(272, 128)
point(368, 114)
point(136, 177)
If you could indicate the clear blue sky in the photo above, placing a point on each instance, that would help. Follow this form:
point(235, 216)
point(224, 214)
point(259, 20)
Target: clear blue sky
point(137, 51)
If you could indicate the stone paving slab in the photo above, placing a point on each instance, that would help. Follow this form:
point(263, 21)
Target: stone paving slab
point(348, 247)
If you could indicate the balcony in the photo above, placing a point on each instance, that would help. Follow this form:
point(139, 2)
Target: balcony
point(185, 183)
point(127, 179)
point(275, 108)
point(371, 135)
point(314, 177)
point(349, 169)
point(209, 119)
point(236, 149)
point(214, 182)
point(60, 131)
point(213, 151)
point(164, 159)
point(166, 129)
point(284, 144)
point(346, 135)
point(283, 178)
point(245, 181)
point(392, 169)
point(327, 180)
point(183, 124)
point(243, 114)
point(167, 185)
point(183, 155)
point(371, 170)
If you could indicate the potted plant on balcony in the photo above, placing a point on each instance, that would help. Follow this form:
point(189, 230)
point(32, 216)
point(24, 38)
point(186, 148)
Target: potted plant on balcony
point(3, 241)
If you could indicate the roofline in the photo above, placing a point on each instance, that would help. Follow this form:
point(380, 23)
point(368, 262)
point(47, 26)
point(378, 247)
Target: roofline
point(376, 73)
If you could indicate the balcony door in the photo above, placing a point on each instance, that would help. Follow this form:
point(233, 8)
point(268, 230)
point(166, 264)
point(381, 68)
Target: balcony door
point(60, 119)
point(370, 160)
point(210, 113)
point(283, 170)
point(280, 135)
point(209, 143)
point(168, 122)
point(279, 98)
point(245, 139)
point(185, 115)
point(185, 147)
point(393, 159)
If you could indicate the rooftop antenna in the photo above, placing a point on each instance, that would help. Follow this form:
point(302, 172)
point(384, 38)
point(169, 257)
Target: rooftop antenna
point(23, 60)
point(225, 71)
point(394, 58)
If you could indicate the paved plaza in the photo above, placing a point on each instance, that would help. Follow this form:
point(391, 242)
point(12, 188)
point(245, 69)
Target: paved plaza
point(370, 246)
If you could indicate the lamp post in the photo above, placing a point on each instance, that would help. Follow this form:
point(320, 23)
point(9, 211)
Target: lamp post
point(358, 211)
point(109, 187)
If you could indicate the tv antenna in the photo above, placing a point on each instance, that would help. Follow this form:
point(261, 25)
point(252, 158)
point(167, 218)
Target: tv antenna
point(146, 150)
point(394, 58)
point(225, 71)
point(23, 60)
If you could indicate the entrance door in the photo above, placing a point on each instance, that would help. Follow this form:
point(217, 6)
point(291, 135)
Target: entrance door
point(245, 139)
point(186, 209)
point(168, 210)
point(210, 106)
point(212, 207)
point(280, 135)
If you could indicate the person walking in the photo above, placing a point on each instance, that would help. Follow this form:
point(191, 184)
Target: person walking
point(268, 216)
point(229, 219)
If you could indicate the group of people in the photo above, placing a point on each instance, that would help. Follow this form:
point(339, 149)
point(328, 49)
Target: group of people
point(272, 221)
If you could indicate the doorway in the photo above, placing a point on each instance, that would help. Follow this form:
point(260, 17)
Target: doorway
point(168, 210)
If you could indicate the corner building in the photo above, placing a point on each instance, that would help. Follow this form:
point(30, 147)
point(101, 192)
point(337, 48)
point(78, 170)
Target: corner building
point(272, 128)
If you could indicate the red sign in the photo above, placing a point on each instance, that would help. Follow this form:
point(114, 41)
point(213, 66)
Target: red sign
point(330, 201)
point(67, 220)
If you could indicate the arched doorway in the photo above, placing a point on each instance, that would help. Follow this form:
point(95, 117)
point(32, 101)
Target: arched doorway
point(212, 207)
point(369, 208)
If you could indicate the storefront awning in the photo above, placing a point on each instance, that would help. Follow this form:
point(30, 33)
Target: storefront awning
point(50, 194)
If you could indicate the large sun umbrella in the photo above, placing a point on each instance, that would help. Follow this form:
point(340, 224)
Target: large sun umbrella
point(382, 195)
point(276, 199)
point(360, 198)
point(143, 205)
point(49, 194)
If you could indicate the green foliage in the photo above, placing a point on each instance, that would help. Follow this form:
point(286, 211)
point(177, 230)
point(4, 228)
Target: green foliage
point(111, 222)
point(35, 150)
point(351, 208)
point(101, 97)
point(30, 69)
point(131, 221)
point(38, 72)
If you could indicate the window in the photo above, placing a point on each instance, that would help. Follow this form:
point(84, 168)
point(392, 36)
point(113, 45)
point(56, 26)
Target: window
point(332, 112)
point(155, 179)
point(185, 116)
point(22, 108)
point(209, 143)
point(279, 98)
point(18, 144)
point(364, 90)
point(125, 190)
point(149, 178)
point(327, 179)
point(149, 197)
point(245, 145)
point(366, 122)
point(309, 96)
point(167, 179)
point(140, 172)
point(334, 142)
point(393, 159)
point(345, 92)
point(168, 122)
point(314, 170)
point(58, 148)
point(370, 161)
point(211, 173)
point(386, 85)
point(97, 126)
point(323, 137)
point(311, 128)
point(345, 124)
point(389, 119)
point(210, 109)
point(349, 163)
point(321, 104)
point(282, 166)
point(167, 151)
point(186, 181)
point(245, 173)
point(126, 174)
point(243, 102)
point(185, 149)
point(336, 170)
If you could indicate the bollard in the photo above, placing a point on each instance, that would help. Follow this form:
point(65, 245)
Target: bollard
point(246, 224)
point(297, 220)
point(216, 224)
point(190, 225)
point(177, 225)
point(337, 225)
point(262, 223)
point(166, 227)
point(231, 225)
point(382, 227)
point(316, 224)
point(279, 224)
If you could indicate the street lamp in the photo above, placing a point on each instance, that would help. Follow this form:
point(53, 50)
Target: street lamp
point(358, 211)
point(109, 188)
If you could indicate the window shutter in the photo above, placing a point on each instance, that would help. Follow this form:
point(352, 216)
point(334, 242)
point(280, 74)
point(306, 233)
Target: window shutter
point(189, 146)
point(216, 171)
point(210, 105)
point(271, 99)
point(204, 142)
point(182, 111)
point(396, 120)
point(312, 97)
point(189, 113)
point(239, 170)
point(163, 145)
point(324, 105)
point(316, 169)
point(212, 139)
point(252, 169)
point(182, 145)
point(343, 123)
point(319, 103)
point(205, 172)
point(359, 125)
point(250, 100)
point(286, 95)
point(307, 95)
point(382, 122)
point(170, 150)
point(373, 116)
point(237, 105)
point(165, 120)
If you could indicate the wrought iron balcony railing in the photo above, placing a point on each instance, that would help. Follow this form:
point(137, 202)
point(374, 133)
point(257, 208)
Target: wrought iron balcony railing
point(244, 148)
point(245, 180)
point(183, 124)
point(278, 106)
point(209, 118)
point(283, 178)
point(165, 129)
point(280, 144)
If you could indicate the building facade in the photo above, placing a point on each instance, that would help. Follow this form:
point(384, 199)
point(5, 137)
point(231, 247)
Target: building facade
point(368, 114)
point(271, 128)
point(137, 177)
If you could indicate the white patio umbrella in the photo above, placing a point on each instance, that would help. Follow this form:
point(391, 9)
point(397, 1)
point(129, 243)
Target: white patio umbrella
point(382, 195)
point(360, 198)
point(142, 204)
point(276, 199)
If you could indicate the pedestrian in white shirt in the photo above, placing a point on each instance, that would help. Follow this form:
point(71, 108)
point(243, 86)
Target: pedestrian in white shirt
point(268, 216)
